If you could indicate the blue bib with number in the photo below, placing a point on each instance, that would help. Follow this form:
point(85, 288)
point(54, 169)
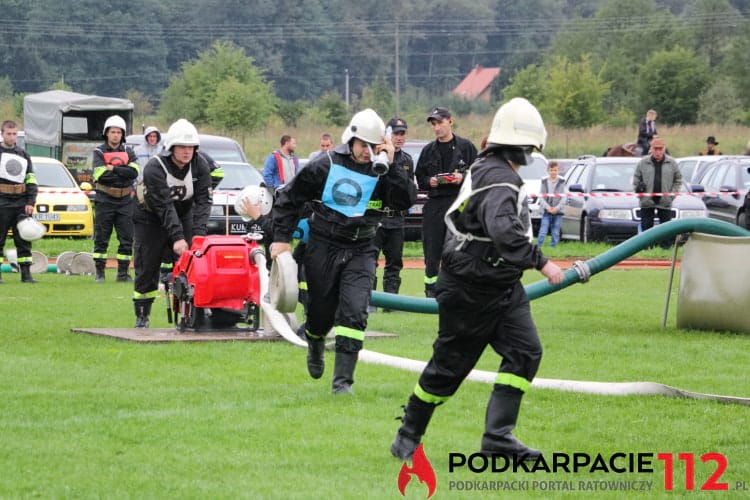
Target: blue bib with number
point(348, 192)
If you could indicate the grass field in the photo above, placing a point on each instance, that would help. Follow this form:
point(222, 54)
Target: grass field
point(90, 417)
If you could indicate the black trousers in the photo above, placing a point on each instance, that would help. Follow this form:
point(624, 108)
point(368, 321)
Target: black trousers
point(339, 282)
point(647, 220)
point(8, 220)
point(433, 233)
point(470, 319)
point(390, 240)
point(117, 215)
point(152, 246)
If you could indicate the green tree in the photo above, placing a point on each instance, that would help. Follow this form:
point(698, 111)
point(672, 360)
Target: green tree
point(194, 92)
point(379, 97)
point(332, 109)
point(142, 107)
point(240, 106)
point(6, 88)
point(721, 103)
point(672, 83)
point(576, 93)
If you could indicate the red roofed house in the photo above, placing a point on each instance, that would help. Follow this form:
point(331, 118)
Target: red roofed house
point(477, 84)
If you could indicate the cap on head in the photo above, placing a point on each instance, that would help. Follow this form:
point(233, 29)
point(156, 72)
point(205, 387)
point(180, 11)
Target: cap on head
point(658, 142)
point(397, 125)
point(439, 113)
point(711, 140)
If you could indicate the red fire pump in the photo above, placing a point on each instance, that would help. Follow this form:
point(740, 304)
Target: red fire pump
point(216, 284)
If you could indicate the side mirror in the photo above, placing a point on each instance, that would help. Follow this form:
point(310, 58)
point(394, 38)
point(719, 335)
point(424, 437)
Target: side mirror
point(575, 188)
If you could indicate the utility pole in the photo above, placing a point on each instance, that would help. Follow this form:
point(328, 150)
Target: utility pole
point(398, 74)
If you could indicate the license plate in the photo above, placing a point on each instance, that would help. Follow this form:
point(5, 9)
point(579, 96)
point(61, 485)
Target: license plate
point(416, 209)
point(237, 228)
point(47, 217)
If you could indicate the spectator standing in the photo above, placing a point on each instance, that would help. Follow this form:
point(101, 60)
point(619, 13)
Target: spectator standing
point(346, 195)
point(18, 189)
point(710, 148)
point(173, 206)
point(115, 170)
point(440, 171)
point(646, 131)
point(151, 146)
point(481, 300)
point(390, 235)
point(326, 144)
point(551, 205)
point(281, 165)
point(655, 175)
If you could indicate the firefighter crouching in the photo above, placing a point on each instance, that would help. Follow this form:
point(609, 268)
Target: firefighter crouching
point(115, 169)
point(174, 203)
point(347, 191)
point(481, 300)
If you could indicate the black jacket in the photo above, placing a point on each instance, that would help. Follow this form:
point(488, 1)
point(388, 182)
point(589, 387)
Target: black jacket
point(492, 213)
point(429, 165)
point(394, 189)
point(160, 207)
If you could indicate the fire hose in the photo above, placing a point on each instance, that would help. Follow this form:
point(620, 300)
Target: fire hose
point(580, 272)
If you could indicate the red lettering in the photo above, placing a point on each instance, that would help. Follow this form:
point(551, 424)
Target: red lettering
point(668, 469)
point(721, 466)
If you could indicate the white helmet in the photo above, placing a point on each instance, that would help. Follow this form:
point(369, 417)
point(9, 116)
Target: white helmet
point(365, 125)
point(254, 195)
point(518, 123)
point(181, 133)
point(29, 228)
point(115, 121)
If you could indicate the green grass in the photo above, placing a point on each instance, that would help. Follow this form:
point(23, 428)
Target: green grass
point(90, 417)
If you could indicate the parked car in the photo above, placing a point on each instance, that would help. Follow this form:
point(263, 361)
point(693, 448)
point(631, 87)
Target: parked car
point(726, 183)
point(224, 218)
point(532, 175)
point(61, 206)
point(693, 167)
point(413, 223)
point(218, 147)
point(595, 212)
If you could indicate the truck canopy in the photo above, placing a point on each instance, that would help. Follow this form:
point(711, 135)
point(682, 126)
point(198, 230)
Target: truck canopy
point(58, 115)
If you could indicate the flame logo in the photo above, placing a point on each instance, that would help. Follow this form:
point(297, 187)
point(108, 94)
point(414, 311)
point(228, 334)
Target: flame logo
point(420, 467)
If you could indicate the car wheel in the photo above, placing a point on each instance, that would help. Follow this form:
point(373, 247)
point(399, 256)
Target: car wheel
point(742, 220)
point(585, 229)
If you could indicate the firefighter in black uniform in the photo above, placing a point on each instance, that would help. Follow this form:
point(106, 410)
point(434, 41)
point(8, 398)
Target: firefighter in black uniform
point(115, 169)
point(440, 171)
point(390, 236)
point(18, 190)
point(348, 189)
point(174, 203)
point(481, 300)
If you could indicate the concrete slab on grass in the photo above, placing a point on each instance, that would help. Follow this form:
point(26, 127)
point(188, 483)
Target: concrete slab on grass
point(151, 335)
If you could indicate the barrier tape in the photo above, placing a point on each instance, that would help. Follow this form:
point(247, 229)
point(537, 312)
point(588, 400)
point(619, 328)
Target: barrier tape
point(625, 194)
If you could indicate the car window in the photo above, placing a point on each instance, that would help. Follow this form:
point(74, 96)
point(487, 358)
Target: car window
point(745, 174)
point(52, 175)
point(617, 177)
point(687, 167)
point(535, 170)
point(729, 179)
point(714, 176)
point(574, 174)
point(237, 176)
point(223, 151)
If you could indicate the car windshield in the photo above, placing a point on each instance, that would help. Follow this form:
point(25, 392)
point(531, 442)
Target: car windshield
point(239, 175)
point(615, 177)
point(223, 150)
point(537, 169)
point(52, 175)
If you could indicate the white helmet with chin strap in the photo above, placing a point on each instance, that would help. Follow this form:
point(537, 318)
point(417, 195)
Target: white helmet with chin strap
point(181, 133)
point(116, 121)
point(365, 125)
point(518, 123)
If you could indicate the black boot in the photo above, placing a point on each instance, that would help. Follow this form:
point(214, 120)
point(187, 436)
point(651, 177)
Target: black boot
point(26, 274)
point(316, 360)
point(417, 415)
point(343, 372)
point(122, 272)
point(100, 266)
point(142, 311)
point(502, 412)
point(429, 291)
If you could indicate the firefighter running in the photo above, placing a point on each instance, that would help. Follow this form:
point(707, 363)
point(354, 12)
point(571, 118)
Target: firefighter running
point(481, 300)
point(347, 190)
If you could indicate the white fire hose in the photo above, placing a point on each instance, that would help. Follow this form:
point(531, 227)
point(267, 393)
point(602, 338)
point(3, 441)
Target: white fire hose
point(280, 324)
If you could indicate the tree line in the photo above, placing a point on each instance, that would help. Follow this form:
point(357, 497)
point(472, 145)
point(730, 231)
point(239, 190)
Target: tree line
point(583, 62)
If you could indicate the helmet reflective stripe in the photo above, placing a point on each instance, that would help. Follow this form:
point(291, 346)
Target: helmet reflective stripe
point(463, 198)
point(115, 121)
point(365, 125)
point(518, 123)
